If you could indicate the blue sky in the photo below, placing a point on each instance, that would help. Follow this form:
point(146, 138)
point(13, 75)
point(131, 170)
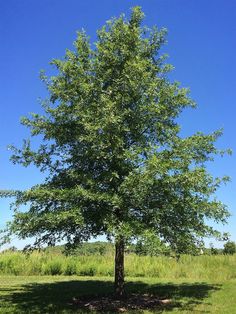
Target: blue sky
point(201, 46)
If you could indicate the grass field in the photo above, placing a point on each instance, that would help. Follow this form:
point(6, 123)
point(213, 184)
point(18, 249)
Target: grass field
point(53, 283)
point(195, 268)
point(54, 294)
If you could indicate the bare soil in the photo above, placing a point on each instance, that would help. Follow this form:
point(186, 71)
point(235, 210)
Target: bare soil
point(132, 302)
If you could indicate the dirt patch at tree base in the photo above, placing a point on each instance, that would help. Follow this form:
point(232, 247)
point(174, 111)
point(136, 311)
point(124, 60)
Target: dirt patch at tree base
point(131, 302)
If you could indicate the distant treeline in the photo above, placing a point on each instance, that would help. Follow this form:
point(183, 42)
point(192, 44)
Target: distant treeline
point(142, 248)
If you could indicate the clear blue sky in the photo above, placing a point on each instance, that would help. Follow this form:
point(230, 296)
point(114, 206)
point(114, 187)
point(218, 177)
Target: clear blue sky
point(201, 46)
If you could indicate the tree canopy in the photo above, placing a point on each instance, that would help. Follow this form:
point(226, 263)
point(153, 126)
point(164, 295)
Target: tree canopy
point(111, 149)
point(229, 247)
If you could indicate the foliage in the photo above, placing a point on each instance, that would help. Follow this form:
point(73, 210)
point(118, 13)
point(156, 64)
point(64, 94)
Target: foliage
point(213, 251)
point(111, 148)
point(204, 267)
point(94, 248)
point(86, 248)
point(229, 247)
point(149, 244)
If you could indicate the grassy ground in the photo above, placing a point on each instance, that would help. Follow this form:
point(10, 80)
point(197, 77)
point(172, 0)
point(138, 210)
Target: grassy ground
point(54, 294)
point(195, 268)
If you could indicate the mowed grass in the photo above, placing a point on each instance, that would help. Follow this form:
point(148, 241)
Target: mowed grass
point(54, 294)
point(48, 283)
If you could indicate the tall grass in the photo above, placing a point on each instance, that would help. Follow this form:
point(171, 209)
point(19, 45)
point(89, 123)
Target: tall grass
point(219, 267)
point(204, 267)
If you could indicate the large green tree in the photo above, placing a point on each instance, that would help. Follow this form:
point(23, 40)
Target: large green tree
point(114, 160)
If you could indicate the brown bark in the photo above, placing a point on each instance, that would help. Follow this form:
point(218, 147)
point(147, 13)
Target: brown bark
point(119, 267)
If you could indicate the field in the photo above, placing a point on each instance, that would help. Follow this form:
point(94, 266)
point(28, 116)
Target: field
point(48, 294)
point(46, 283)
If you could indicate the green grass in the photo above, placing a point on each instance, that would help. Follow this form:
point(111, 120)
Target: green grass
point(47, 283)
point(205, 267)
point(53, 294)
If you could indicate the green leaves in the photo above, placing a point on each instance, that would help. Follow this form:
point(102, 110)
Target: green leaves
point(115, 162)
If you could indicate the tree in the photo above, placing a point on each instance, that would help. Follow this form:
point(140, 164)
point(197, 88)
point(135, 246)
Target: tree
point(114, 160)
point(213, 250)
point(150, 244)
point(229, 247)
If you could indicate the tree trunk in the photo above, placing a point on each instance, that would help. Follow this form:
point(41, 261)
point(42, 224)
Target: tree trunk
point(119, 267)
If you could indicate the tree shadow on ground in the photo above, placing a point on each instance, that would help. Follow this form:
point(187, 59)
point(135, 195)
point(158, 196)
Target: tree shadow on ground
point(66, 296)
